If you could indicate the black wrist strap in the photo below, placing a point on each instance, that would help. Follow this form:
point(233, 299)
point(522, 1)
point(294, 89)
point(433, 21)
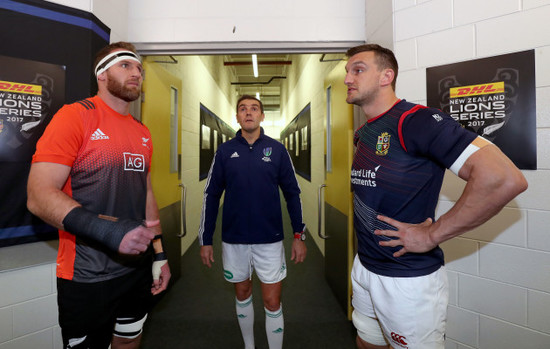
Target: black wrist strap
point(161, 256)
point(109, 232)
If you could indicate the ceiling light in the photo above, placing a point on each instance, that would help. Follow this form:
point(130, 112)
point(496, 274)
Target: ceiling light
point(255, 65)
point(258, 95)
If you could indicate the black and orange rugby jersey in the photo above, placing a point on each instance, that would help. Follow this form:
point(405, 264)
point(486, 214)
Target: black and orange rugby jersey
point(110, 156)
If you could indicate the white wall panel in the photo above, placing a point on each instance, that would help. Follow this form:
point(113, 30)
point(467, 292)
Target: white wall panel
point(156, 30)
point(411, 85)
point(514, 265)
point(405, 52)
point(213, 21)
point(57, 340)
point(453, 287)
point(529, 4)
point(542, 67)
point(538, 237)
point(450, 46)
point(543, 106)
point(35, 315)
point(20, 285)
point(114, 14)
point(543, 150)
point(507, 227)
point(480, 296)
point(496, 334)
point(538, 194)
point(463, 326)
point(402, 4)
point(42, 340)
point(464, 13)
point(6, 324)
point(516, 32)
point(539, 304)
point(423, 19)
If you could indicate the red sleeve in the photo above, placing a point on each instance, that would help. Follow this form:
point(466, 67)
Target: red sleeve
point(62, 138)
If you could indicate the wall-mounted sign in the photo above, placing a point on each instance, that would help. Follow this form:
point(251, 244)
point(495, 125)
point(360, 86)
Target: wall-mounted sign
point(213, 132)
point(30, 94)
point(38, 40)
point(494, 97)
point(296, 137)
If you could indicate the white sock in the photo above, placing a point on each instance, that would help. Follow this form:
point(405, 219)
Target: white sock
point(245, 314)
point(274, 328)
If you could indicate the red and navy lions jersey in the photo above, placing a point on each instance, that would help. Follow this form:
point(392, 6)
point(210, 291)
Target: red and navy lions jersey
point(110, 156)
point(397, 171)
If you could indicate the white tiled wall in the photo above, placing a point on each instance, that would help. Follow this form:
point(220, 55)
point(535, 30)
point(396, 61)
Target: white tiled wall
point(28, 308)
point(499, 273)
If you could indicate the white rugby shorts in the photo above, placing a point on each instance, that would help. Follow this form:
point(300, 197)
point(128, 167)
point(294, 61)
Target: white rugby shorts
point(240, 260)
point(412, 311)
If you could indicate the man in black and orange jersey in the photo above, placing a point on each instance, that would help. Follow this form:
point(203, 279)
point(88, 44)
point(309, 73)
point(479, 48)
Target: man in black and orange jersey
point(400, 288)
point(90, 178)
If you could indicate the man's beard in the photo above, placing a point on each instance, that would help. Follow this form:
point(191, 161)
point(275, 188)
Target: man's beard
point(120, 91)
point(364, 99)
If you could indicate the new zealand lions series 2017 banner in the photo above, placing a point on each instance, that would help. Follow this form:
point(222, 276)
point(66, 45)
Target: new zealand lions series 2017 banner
point(494, 97)
point(30, 94)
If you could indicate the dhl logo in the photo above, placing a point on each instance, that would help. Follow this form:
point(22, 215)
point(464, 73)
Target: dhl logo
point(476, 90)
point(20, 88)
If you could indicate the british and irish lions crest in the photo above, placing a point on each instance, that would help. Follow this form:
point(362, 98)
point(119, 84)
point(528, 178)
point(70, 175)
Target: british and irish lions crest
point(383, 144)
point(483, 108)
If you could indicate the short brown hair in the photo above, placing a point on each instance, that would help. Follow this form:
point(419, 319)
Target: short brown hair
point(385, 59)
point(110, 48)
point(244, 97)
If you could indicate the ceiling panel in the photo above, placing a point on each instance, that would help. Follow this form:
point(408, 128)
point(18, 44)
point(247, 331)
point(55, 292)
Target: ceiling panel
point(272, 70)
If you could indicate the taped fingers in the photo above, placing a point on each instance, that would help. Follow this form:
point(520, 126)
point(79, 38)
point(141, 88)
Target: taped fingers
point(157, 265)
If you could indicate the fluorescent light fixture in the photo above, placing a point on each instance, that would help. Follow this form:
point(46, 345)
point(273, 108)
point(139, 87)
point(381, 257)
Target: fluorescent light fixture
point(258, 95)
point(255, 65)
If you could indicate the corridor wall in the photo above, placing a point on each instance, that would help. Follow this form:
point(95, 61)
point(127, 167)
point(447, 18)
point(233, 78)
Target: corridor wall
point(305, 84)
point(202, 83)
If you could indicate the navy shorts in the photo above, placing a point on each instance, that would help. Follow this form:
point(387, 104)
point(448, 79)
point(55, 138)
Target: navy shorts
point(88, 311)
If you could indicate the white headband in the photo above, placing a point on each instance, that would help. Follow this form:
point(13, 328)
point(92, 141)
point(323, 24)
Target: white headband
point(113, 58)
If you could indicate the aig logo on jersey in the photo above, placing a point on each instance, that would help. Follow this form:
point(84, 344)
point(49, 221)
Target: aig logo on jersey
point(383, 144)
point(134, 162)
